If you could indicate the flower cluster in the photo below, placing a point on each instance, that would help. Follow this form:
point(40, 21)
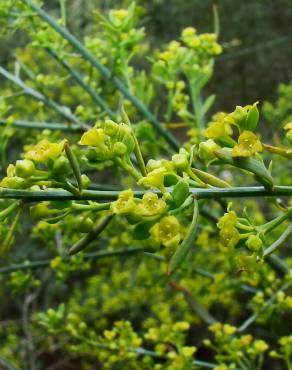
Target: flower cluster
point(109, 140)
point(231, 350)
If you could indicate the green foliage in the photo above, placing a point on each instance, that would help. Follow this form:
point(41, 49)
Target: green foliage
point(179, 274)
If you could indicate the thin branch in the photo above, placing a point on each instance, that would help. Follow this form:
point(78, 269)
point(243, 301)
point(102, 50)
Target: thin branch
point(44, 125)
point(279, 242)
point(105, 72)
point(7, 364)
point(263, 308)
point(63, 111)
point(90, 256)
point(80, 81)
point(194, 304)
point(103, 195)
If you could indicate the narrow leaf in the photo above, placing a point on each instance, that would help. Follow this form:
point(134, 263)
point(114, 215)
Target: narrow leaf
point(182, 251)
point(74, 165)
point(92, 235)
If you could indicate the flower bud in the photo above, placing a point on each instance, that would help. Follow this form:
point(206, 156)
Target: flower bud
point(254, 243)
point(13, 182)
point(85, 181)
point(61, 167)
point(180, 162)
point(111, 128)
point(152, 164)
point(40, 210)
point(84, 225)
point(119, 149)
point(207, 149)
point(128, 140)
point(24, 168)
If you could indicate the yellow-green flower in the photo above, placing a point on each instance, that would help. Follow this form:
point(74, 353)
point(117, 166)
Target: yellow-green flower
point(188, 351)
point(248, 145)
point(45, 150)
point(166, 232)
point(229, 329)
point(125, 202)
point(154, 178)
point(288, 128)
point(150, 205)
point(94, 137)
point(254, 243)
point(229, 236)
point(219, 127)
point(260, 345)
point(216, 327)
point(11, 180)
point(207, 149)
point(228, 220)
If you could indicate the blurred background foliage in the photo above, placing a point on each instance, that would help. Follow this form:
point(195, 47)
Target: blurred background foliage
point(256, 36)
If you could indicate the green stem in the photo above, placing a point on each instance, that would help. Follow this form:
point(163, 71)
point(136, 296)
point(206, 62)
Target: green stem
point(271, 225)
point(6, 212)
point(7, 364)
point(90, 207)
point(267, 304)
point(9, 236)
point(88, 238)
point(278, 243)
point(183, 249)
point(201, 193)
point(63, 11)
point(44, 125)
point(79, 79)
point(74, 165)
point(128, 168)
point(197, 105)
point(137, 149)
point(40, 97)
point(105, 72)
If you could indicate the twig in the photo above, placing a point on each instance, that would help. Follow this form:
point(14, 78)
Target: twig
point(105, 72)
point(44, 125)
point(79, 79)
point(103, 195)
point(64, 111)
point(278, 243)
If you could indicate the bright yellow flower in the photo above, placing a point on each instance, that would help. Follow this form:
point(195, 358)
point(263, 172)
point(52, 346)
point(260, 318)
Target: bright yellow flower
point(229, 329)
point(154, 179)
point(93, 137)
point(288, 128)
point(229, 236)
point(188, 351)
point(150, 205)
point(260, 345)
point(166, 232)
point(207, 149)
point(219, 127)
point(216, 327)
point(254, 243)
point(228, 220)
point(45, 150)
point(248, 145)
point(125, 202)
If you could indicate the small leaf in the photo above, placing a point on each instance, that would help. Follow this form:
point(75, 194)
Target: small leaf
point(170, 179)
point(207, 104)
point(141, 230)
point(249, 164)
point(182, 251)
point(74, 165)
point(252, 118)
point(87, 239)
point(180, 193)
